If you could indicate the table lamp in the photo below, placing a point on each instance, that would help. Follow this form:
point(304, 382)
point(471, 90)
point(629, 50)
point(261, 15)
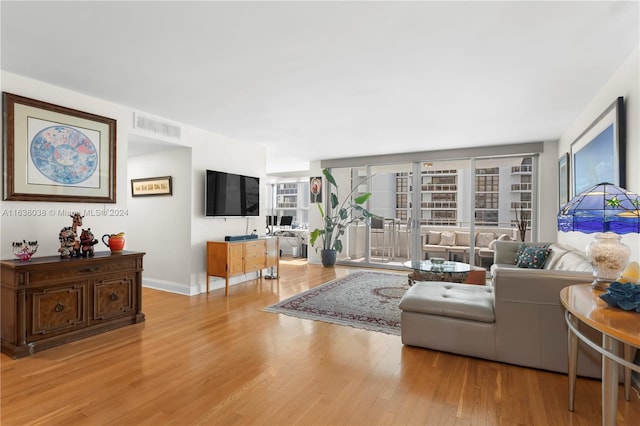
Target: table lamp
point(608, 211)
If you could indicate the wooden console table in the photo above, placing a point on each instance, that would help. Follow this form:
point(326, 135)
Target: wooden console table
point(50, 301)
point(228, 258)
point(618, 328)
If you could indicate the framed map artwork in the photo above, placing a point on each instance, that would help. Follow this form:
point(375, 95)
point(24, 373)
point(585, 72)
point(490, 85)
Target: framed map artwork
point(55, 153)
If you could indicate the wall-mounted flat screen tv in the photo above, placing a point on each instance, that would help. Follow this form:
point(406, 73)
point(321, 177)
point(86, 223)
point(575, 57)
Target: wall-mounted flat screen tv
point(228, 194)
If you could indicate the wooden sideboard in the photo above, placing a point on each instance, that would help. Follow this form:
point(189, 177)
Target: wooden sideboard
point(228, 258)
point(50, 301)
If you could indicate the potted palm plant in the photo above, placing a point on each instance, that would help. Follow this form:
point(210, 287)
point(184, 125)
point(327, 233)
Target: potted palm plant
point(336, 220)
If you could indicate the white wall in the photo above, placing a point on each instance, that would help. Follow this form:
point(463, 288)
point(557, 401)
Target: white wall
point(227, 155)
point(625, 82)
point(160, 225)
point(208, 151)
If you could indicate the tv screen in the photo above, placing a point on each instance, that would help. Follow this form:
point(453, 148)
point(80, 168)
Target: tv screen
point(228, 194)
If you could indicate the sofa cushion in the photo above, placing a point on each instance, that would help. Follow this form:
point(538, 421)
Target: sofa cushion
point(434, 237)
point(463, 239)
point(573, 261)
point(557, 251)
point(448, 239)
point(463, 301)
point(483, 239)
point(533, 257)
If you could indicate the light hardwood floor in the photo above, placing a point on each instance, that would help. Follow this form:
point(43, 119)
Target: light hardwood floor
point(211, 360)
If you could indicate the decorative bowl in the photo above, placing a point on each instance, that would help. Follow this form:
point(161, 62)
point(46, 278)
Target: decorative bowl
point(437, 260)
point(23, 250)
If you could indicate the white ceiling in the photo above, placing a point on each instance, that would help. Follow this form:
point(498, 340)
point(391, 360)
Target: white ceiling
point(316, 80)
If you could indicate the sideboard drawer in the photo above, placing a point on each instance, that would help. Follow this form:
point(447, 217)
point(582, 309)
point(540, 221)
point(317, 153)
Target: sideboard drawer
point(254, 248)
point(79, 269)
point(252, 264)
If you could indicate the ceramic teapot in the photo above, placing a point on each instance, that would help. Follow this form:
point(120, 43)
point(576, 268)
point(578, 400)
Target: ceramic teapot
point(115, 242)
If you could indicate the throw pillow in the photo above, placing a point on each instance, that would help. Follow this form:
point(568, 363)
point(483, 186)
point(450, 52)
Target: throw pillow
point(519, 252)
point(533, 257)
point(484, 239)
point(434, 237)
point(448, 239)
point(462, 239)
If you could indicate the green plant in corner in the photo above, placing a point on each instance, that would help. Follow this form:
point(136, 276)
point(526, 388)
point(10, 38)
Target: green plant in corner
point(339, 216)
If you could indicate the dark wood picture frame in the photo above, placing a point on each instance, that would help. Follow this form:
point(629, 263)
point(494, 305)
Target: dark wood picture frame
point(58, 154)
point(146, 187)
point(598, 154)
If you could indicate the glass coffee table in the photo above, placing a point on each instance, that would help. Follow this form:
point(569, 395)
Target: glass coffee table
point(428, 270)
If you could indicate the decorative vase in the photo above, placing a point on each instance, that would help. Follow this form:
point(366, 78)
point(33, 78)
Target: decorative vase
point(328, 257)
point(608, 257)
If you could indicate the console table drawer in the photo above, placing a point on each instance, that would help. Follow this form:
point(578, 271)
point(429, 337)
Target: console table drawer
point(80, 269)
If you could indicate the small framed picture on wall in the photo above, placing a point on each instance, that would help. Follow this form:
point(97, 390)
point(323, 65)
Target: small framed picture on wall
point(315, 186)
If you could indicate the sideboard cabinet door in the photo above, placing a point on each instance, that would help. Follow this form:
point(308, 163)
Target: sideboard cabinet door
point(54, 311)
point(112, 297)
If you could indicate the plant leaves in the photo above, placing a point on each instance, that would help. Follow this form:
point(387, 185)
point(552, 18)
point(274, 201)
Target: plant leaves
point(327, 174)
point(339, 215)
point(362, 198)
point(334, 201)
point(313, 235)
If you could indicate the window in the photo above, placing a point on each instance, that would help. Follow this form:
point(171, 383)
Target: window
point(487, 183)
point(487, 200)
point(487, 217)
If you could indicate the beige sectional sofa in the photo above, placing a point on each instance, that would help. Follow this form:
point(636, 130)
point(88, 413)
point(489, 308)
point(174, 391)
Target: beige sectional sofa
point(518, 319)
point(450, 242)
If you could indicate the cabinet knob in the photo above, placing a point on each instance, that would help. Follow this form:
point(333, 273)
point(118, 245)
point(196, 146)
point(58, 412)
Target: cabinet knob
point(59, 307)
point(113, 296)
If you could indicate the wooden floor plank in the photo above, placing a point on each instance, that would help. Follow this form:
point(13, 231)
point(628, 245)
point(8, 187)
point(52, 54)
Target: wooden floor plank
point(209, 359)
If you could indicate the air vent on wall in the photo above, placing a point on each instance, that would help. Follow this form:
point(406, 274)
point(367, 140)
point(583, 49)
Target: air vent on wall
point(156, 127)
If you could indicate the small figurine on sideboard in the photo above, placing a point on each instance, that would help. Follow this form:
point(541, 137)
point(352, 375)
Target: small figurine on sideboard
point(87, 241)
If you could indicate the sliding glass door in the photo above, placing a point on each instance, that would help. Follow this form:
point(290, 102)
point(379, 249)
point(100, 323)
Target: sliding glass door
point(452, 209)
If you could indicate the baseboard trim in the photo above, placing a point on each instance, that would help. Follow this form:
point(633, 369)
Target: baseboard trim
point(169, 286)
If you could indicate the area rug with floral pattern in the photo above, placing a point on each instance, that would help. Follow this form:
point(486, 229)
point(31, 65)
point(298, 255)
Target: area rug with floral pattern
point(362, 299)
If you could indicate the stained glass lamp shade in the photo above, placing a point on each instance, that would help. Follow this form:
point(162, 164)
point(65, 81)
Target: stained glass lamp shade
point(602, 208)
point(609, 211)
